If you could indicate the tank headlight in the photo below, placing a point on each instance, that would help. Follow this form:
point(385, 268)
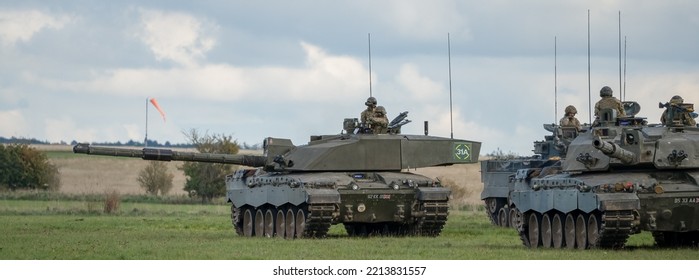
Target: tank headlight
point(355, 187)
point(395, 186)
point(659, 189)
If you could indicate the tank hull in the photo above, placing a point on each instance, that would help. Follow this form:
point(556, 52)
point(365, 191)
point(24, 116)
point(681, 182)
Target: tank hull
point(303, 205)
point(574, 211)
point(497, 176)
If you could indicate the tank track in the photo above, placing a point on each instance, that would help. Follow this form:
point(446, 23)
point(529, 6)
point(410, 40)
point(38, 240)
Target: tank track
point(434, 218)
point(615, 229)
point(236, 220)
point(318, 220)
point(491, 216)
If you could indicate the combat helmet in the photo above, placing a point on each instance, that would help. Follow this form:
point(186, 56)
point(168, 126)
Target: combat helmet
point(571, 110)
point(605, 92)
point(371, 101)
point(676, 100)
point(381, 110)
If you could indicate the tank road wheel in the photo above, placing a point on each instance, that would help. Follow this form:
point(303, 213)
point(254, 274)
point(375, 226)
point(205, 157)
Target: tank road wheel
point(503, 220)
point(534, 232)
point(300, 223)
point(546, 231)
point(492, 205)
point(269, 222)
point(593, 226)
point(557, 231)
point(512, 215)
point(247, 222)
point(570, 231)
point(581, 232)
point(290, 223)
point(280, 223)
point(259, 223)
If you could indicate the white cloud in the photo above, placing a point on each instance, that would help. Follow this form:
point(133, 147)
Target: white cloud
point(133, 131)
point(425, 19)
point(178, 37)
point(16, 26)
point(12, 123)
point(419, 86)
point(324, 77)
point(60, 129)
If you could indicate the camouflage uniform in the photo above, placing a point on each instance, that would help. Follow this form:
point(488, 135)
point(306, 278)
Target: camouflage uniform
point(681, 117)
point(378, 122)
point(608, 102)
point(569, 120)
point(369, 112)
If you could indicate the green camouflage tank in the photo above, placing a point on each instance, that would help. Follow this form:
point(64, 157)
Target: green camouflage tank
point(618, 178)
point(355, 178)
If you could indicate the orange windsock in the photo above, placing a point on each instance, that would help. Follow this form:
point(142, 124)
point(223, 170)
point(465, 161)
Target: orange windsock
point(155, 103)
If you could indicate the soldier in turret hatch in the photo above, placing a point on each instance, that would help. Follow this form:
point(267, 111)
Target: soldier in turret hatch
point(608, 102)
point(569, 120)
point(378, 122)
point(369, 112)
point(676, 114)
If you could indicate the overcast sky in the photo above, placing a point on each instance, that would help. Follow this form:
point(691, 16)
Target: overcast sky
point(83, 70)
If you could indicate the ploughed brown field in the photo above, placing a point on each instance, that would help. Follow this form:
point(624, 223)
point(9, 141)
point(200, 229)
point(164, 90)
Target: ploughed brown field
point(83, 174)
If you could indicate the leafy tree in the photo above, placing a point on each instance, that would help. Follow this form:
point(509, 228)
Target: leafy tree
point(24, 167)
point(155, 178)
point(208, 180)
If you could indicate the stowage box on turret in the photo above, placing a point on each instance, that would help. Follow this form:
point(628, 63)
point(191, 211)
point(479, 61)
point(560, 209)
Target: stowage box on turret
point(619, 178)
point(354, 178)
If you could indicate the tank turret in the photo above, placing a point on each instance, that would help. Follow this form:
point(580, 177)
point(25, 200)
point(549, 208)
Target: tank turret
point(359, 178)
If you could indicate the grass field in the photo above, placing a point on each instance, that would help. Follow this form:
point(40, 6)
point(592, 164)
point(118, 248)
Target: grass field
point(72, 226)
point(61, 230)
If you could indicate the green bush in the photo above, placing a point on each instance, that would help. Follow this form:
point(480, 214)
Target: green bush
point(155, 178)
point(208, 180)
point(24, 167)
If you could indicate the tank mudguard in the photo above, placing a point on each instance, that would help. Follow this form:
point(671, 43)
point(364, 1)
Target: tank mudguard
point(563, 201)
point(491, 191)
point(433, 194)
point(275, 195)
point(618, 201)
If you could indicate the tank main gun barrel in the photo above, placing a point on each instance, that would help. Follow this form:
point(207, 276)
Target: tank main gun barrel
point(613, 150)
point(170, 155)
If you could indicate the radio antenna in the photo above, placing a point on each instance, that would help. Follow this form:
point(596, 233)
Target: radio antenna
point(145, 141)
point(369, 37)
point(589, 90)
point(624, 67)
point(621, 87)
point(555, 80)
point(451, 116)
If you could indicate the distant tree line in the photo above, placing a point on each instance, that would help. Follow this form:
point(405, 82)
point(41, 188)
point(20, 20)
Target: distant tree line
point(151, 143)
